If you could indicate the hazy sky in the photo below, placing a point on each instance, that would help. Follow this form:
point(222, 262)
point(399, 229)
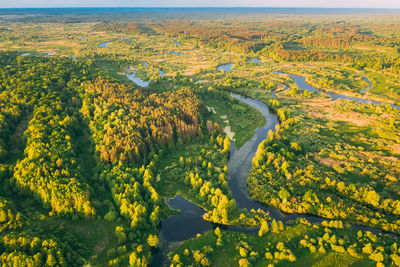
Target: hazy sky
point(201, 3)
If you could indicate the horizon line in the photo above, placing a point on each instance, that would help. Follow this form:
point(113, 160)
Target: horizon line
point(188, 7)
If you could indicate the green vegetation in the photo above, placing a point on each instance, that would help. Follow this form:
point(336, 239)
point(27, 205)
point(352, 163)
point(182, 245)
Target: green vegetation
point(77, 148)
point(199, 173)
point(296, 244)
point(341, 163)
point(239, 118)
point(87, 157)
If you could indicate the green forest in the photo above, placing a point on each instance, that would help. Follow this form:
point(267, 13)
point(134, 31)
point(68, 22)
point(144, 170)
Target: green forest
point(149, 138)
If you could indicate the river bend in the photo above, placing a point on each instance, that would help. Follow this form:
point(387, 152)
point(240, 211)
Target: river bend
point(189, 222)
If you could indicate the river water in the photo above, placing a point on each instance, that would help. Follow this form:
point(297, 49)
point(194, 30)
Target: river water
point(140, 82)
point(370, 84)
point(137, 80)
point(105, 44)
point(226, 67)
point(189, 222)
point(303, 85)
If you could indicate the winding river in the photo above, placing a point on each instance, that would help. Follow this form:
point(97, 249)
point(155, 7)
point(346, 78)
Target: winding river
point(368, 81)
point(140, 82)
point(189, 222)
point(105, 44)
point(303, 85)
